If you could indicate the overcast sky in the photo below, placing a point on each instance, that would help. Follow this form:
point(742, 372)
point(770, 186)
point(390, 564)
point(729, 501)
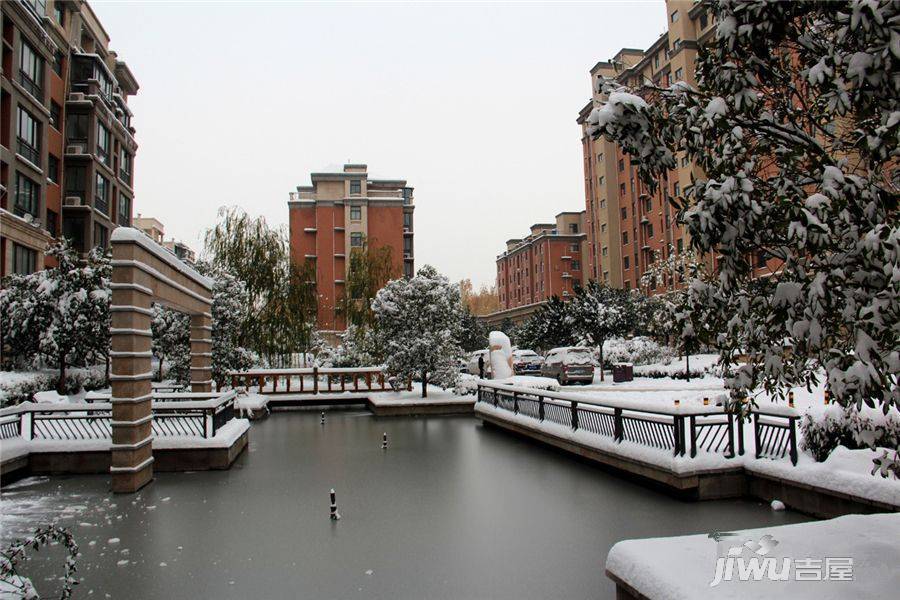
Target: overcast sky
point(473, 104)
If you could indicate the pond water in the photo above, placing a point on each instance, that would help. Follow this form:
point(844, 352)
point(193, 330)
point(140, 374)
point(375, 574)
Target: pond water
point(452, 509)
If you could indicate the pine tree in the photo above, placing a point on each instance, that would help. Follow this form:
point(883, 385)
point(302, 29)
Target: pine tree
point(794, 124)
point(600, 312)
point(474, 333)
point(229, 316)
point(547, 328)
point(418, 324)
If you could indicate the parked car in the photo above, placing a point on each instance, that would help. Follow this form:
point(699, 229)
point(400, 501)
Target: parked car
point(569, 365)
point(527, 362)
point(473, 363)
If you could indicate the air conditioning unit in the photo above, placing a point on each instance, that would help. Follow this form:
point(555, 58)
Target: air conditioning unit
point(72, 201)
point(75, 149)
point(76, 97)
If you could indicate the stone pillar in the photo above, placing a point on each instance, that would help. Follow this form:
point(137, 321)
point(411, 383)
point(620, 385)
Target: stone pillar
point(201, 352)
point(131, 371)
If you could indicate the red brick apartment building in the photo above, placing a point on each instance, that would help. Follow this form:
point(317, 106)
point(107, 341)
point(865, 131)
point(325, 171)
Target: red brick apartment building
point(627, 227)
point(548, 262)
point(342, 211)
point(67, 146)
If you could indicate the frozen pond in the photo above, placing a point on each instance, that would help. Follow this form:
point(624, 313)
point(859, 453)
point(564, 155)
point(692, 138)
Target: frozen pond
point(451, 510)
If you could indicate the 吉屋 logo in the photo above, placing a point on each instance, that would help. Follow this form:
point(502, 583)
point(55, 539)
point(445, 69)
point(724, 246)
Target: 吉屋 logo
point(752, 561)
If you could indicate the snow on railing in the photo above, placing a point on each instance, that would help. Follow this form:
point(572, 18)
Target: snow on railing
point(173, 415)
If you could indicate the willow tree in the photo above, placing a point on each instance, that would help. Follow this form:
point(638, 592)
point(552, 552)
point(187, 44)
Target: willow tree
point(281, 295)
point(371, 268)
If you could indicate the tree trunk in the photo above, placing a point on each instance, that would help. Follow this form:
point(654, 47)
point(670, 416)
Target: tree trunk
point(108, 365)
point(424, 384)
point(160, 375)
point(687, 364)
point(601, 361)
point(61, 384)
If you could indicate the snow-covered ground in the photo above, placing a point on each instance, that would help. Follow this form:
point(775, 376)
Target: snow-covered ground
point(414, 397)
point(687, 566)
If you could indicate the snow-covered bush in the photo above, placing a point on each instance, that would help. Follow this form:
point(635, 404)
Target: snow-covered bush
point(172, 342)
point(638, 350)
point(355, 350)
point(825, 429)
point(20, 386)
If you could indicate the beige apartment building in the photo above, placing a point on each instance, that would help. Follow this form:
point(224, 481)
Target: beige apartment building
point(628, 228)
point(154, 229)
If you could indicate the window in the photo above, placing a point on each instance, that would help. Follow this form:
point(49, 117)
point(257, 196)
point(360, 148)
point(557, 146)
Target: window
point(622, 188)
point(600, 157)
point(53, 169)
point(31, 71)
point(101, 236)
point(355, 187)
point(649, 230)
point(676, 45)
point(123, 216)
point(685, 161)
point(407, 221)
point(101, 194)
point(573, 227)
point(679, 246)
point(407, 196)
point(624, 213)
point(605, 251)
point(59, 12)
point(626, 263)
point(621, 164)
point(28, 132)
point(58, 63)
point(407, 270)
point(24, 260)
point(679, 74)
point(103, 143)
point(602, 227)
point(675, 16)
point(624, 237)
point(76, 180)
point(576, 265)
point(356, 213)
point(356, 239)
point(125, 161)
point(77, 129)
point(55, 115)
point(53, 223)
point(761, 257)
point(603, 203)
point(407, 245)
point(38, 6)
point(676, 190)
point(600, 180)
point(573, 247)
point(27, 196)
point(703, 21)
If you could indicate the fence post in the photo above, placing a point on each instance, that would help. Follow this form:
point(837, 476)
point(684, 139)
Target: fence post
point(693, 436)
point(793, 435)
point(756, 434)
point(494, 395)
point(515, 403)
point(731, 435)
point(574, 414)
point(740, 424)
point(618, 430)
point(233, 381)
point(541, 407)
point(368, 381)
point(31, 425)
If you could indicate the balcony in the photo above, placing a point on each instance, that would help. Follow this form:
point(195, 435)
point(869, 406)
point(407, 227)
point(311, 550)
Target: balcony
point(29, 152)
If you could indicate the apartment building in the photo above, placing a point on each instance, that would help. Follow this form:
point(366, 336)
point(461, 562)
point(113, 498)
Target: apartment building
point(629, 228)
point(343, 211)
point(156, 231)
point(548, 262)
point(67, 145)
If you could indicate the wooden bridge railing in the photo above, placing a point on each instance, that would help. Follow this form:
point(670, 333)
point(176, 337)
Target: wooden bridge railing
point(314, 380)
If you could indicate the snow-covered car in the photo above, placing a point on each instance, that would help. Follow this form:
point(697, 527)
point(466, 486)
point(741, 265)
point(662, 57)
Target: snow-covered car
point(569, 365)
point(473, 363)
point(527, 362)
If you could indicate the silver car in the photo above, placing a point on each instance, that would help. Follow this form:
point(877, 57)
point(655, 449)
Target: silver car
point(527, 362)
point(569, 365)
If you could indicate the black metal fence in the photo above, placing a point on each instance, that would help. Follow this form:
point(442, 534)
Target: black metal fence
point(680, 430)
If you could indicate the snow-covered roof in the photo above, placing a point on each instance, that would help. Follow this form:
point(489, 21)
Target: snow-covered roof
point(130, 234)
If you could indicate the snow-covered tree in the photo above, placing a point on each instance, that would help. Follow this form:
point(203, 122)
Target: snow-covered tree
point(229, 314)
point(549, 327)
point(600, 312)
point(418, 324)
point(357, 348)
point(474, 333)
point(60, 314)
point(172, 341)
point(794, 123)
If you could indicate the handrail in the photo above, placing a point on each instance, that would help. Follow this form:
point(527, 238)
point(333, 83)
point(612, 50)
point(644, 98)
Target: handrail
point(305, 371)
point(584, 398)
